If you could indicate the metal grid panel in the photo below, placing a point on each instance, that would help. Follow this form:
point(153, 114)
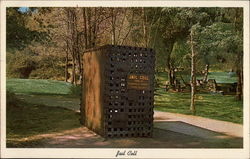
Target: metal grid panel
point(128, 105)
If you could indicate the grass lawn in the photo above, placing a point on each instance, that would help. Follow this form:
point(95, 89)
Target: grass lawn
point(27, 118)
point(208, 105)
point(39, 86)
point(213, 106)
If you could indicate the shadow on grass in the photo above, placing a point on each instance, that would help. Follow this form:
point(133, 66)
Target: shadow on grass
point(26, 120)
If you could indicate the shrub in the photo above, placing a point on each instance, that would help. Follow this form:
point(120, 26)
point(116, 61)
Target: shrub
point(20, 64)
point(48, 67)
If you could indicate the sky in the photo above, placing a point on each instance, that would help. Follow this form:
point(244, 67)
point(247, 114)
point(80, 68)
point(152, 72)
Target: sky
point(23, 9)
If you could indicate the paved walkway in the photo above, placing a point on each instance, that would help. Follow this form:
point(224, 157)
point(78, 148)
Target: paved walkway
point(196, 126)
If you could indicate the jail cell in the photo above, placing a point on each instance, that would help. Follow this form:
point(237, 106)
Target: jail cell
point(118, 91)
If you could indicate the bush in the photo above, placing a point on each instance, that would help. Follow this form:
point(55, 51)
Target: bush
point(28, 64)
point(20, 64)
point(49, 67)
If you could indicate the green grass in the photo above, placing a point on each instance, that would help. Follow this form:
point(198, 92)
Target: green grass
point(214, 106)
point(30, 113)
point(27, 120)
point(37, 86)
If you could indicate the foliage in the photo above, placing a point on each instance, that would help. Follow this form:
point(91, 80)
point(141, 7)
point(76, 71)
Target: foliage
point(180, 56)
point(173, 30)
point(18, 34)
point(20, 64)
point(218, 43)
point(224, 41)
point(26, 39)
point(48, 67)
point(69, 31)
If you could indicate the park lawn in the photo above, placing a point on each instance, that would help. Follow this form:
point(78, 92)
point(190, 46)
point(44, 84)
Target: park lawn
point(38, 86)
point(210, 105)
point(26, 119)
point(214, 106)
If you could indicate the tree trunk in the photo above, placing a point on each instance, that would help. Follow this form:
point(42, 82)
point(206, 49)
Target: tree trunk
point(82, 106)
point(193, 76)
point(206, 73)
point(121, 27)
point(239, 64)
point(144, 26)
point(239, 90)
point(113, 27)
point(73, 72)
point(130, 28)
point(67, 48)
point(89, 15)
point(169, 45)
point(66, 64)
point(172, 78)
point(171, 82)
point(156, 32)
point(84, 14)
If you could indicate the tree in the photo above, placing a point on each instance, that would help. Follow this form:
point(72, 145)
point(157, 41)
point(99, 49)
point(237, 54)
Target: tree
point(193, 68)
point(223, 41)
point(21, 64)
point(175, 25)
point(18, 34)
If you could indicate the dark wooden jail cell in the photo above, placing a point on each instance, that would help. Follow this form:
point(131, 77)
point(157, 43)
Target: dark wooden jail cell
point(118, 91)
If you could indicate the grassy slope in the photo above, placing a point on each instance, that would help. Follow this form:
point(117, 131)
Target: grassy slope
point(37, 86)
point(213, 106)
point(25, 119)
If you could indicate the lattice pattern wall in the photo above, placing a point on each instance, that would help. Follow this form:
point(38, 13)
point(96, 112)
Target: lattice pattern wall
point(125, 84)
